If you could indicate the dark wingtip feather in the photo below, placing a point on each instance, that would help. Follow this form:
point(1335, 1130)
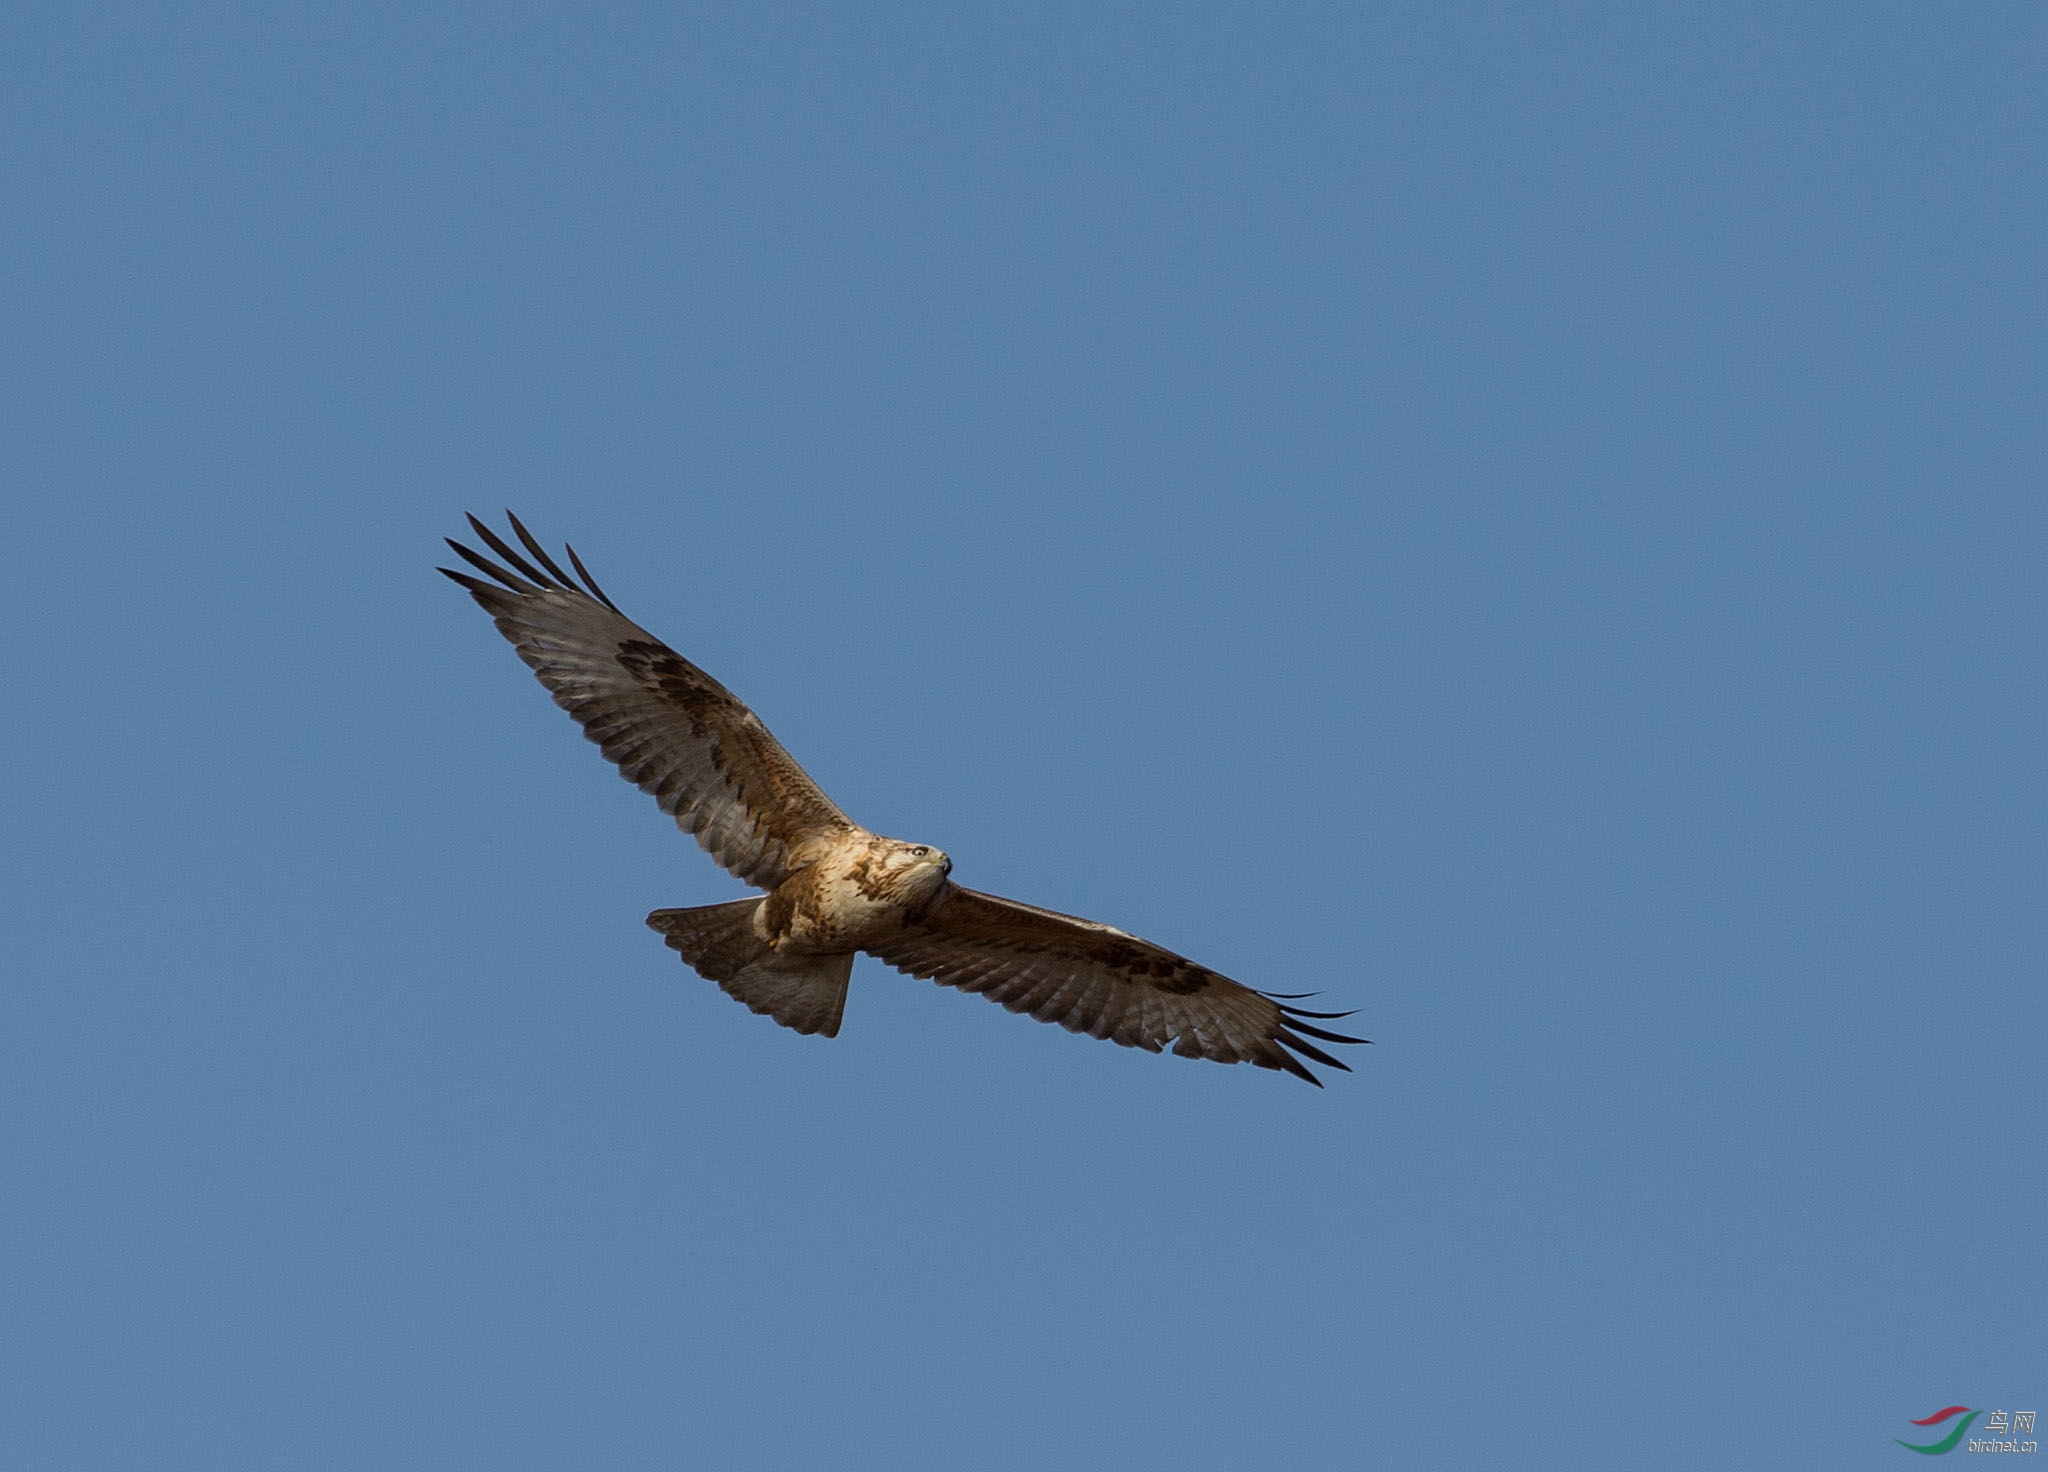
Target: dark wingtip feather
point(1293, 1025)
point(588, 581)
point(1287, 1062)
point(475, 585)
point(490, 569)
point(539, 551)
point(1308, 1049)
point(504, 549)
point(524, 577)
point(1327, 1036)
point(1285, 997)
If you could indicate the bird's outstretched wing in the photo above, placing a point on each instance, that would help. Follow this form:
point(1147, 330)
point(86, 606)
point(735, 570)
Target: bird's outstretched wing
point(1095, 979)
point(676, 733)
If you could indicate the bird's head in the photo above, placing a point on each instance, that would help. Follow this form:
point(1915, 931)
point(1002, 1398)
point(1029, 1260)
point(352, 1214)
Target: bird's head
point(915, 873)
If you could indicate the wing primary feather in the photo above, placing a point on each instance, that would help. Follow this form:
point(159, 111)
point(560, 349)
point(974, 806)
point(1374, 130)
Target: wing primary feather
point(1309, 1050)
point(499, 545)
point(540, 553)
point(492, 570)
point(1299, 1072)
point(1329, 1037)
point(588, 581)
point(474, 585)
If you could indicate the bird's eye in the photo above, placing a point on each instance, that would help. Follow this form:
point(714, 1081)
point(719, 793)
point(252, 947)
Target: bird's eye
point(921, 851)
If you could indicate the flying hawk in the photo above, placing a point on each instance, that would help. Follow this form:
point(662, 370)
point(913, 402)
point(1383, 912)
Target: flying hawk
point(833, 888)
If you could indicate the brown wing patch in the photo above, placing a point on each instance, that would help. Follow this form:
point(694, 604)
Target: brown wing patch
point(1096, 979)
point(660, 669)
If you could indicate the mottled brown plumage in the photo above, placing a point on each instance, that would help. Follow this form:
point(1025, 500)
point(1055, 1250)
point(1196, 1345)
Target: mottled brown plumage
point(834, 888)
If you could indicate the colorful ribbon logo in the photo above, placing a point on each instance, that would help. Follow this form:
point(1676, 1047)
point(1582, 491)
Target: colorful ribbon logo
point(1948, 1442)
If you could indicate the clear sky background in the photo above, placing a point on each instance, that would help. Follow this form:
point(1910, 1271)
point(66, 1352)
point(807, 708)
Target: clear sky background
point(1530, 522)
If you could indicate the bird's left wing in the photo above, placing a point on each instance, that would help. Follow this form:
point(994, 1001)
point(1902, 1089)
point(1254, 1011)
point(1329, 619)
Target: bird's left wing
point(676, 733)
point(1095, 979)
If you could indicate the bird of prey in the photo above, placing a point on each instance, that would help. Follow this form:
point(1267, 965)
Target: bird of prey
point(834, 888)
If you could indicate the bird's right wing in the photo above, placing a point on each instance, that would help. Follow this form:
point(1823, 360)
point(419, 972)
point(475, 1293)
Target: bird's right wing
point(676, 733)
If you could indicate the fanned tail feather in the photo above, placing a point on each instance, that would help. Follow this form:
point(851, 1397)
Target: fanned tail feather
point(805, 993)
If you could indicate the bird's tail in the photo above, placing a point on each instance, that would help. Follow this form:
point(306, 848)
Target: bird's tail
point(807, 993)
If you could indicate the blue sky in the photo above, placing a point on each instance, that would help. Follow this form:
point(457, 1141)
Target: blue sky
point(1528, 522)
